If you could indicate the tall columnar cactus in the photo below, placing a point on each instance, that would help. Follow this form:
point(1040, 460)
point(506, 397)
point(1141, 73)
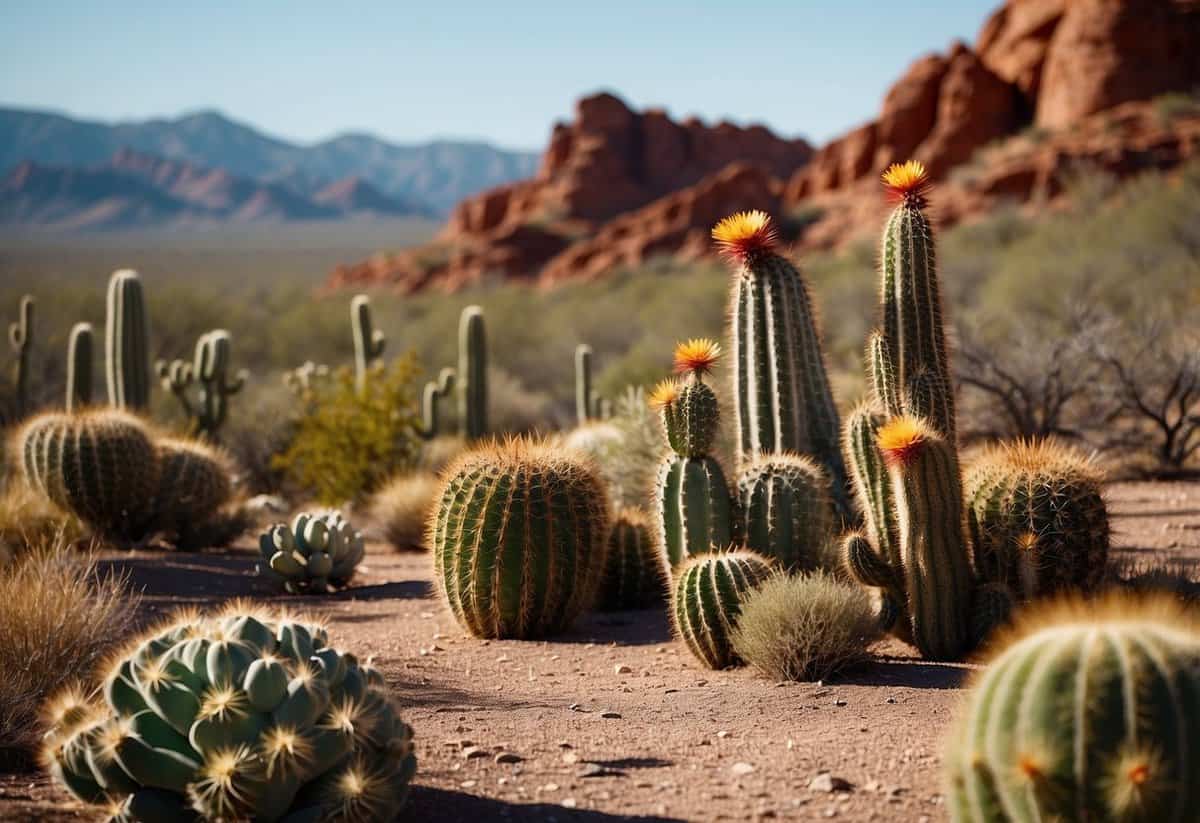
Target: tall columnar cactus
point(1037, 518)
point(1092, 712)
point(588, 406)
point(695, 512)
point(195, 481)
point(472, 374)
point(79, 367)
point(238, 716)
point(20, 337)
point(210, 368)
point(435, 392)
point(368, 341)
point(707, 598)
point(785, 510)
point(100, 465)
point(519, 539)
point(634, 577)
point(317, 553)
point(126, 350)
point(784, 402)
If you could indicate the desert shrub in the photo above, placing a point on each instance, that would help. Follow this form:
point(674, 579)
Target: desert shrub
point(58, 618)
point(347, 444)
point(805, 627)
point(402, 507)
point(27, 518)
point(438, 452)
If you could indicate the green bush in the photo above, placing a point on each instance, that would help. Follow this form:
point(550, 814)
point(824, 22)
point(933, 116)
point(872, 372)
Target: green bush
point(346, 445)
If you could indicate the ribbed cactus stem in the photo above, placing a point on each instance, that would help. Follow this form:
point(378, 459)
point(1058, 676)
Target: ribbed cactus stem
point(126, 350)
point(435, 392)
point(785, 510)
point(707, 599)
point(1092, 713)
point(933, 550)
point(586, 403)
point(872, 483)
point(369, 342)
point(634, 574)
point(79, 367)
point(472, 373)
point(882, 373)
point(694, 507)
point(20, 337)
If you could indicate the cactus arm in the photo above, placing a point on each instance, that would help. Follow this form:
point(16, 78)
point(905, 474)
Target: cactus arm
point(435, 392)
point(79, 367)
point(369, 342)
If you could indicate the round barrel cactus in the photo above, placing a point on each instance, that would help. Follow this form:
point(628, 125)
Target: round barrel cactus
point(635, 573)
point(786, 510)
point(1037, 518)
point(519, 539)
point(196, 480)
point(1091, 713)
point(101, 466)
point(318, 552)
point(239, 716)
point(707, 599)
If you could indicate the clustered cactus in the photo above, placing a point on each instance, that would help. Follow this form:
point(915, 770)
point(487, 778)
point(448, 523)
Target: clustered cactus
point(519, 539)
point(1091, 713)
point(317, 553)
point(706, 601)
point(210, 368)
point(239, 716)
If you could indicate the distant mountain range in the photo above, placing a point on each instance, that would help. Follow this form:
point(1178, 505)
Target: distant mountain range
point(206, 167)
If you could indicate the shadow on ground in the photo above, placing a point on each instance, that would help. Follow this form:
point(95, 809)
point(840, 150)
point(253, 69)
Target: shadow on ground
point(909, 672)
point(456, 807)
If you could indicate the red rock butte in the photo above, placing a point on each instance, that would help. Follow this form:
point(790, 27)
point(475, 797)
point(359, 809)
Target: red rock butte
point(1050, 85)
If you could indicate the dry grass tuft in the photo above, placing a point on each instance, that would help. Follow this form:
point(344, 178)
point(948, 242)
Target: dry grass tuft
point(28, 518)
point(403, 507)
point(805, 627)
point(58, 620)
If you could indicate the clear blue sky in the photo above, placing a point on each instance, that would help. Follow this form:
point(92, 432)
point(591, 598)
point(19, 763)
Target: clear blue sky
point(501, 71)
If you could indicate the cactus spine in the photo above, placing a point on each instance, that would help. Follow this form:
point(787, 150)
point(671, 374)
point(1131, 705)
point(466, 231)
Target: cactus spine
point(1037, 518)
point(368, 341)
point(472, 374)
point(634, 575)
point(20, 337)
point(317, 553)
point(127, 353)
point(210, 367)
point(707, 598)
point(435, 392)
point(79, 367)
point(237, 716)
point(786, 512)
point(519, 539)
point(784, 402)
point(1092, 713)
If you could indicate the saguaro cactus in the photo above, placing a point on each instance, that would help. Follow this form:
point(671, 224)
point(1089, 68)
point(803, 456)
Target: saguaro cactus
point(368, 341)
point(79, 367)
point(211, 369)
point(519, 539)
point(784, 402)
point(707, 599)
point(786, 512)
point(472, 373)
point(694, 506)
point(435, 392)
point(126, 351)
point(20, 337)
point(1091, 713)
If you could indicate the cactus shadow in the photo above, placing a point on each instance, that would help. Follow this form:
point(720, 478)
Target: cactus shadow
point(428, 803)
point(646, 627)
point(910, 673)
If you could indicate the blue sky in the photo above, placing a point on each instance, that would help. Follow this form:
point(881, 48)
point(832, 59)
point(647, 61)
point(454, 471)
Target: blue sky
point(501, 71)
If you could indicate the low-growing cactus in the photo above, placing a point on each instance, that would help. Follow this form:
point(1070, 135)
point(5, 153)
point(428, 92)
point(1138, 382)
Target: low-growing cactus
point(519, 539)
point(785, 510)
point(1037, 518)
point(102, 466)
point(318, 552)
point(239, 716)
point(79, 367)
point(127, 353)
point(707, 599)
point(634, 576)
point(20, 337)
point(1091, 713)
point(368, 340)
point(195, 481)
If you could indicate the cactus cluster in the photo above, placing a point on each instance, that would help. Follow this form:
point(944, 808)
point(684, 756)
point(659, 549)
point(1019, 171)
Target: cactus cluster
point(519, 539)
point(243, 715)
point(1092, 712)
point(210, 368)
point(706, 600)
point(79, 367)
point(368, 341)
point(20, 337)
point(633, 574)
point(126, 350)
point(317, 553)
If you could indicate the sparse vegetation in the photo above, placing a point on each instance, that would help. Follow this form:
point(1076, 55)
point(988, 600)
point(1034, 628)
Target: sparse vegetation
point(402, 509)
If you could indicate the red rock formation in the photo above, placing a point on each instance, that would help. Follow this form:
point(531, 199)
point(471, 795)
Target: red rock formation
point(1015, 39)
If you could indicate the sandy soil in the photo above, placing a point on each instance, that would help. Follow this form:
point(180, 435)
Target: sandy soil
point(616, 721)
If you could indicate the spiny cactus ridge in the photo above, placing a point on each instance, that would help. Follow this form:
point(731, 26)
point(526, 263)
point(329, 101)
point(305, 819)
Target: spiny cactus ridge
point(785, 512)
point(317, 553)
point(707, 598)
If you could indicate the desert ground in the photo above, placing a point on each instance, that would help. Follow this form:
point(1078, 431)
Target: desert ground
point(615, 720)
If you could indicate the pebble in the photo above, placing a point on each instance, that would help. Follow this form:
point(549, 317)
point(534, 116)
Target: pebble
point(508, 757)
point(741, 769)
point(825, 782)
point(621, 668)
point(472, 752)
point(610, 715)
point(570, 758)
point(722, 734)
point(568, 803)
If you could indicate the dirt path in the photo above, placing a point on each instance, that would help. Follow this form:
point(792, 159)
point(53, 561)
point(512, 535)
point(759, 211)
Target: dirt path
point(615, 721)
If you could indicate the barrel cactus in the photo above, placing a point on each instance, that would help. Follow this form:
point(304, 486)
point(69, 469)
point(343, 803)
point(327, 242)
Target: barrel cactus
point(707, 598)
point(634, 574)
point(785, 510)
point(195, 481)
point(100, 465)
point(243, 715)
point(317, 553)
point(1037, 518)
point(1091, 712)
point(519, 539)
